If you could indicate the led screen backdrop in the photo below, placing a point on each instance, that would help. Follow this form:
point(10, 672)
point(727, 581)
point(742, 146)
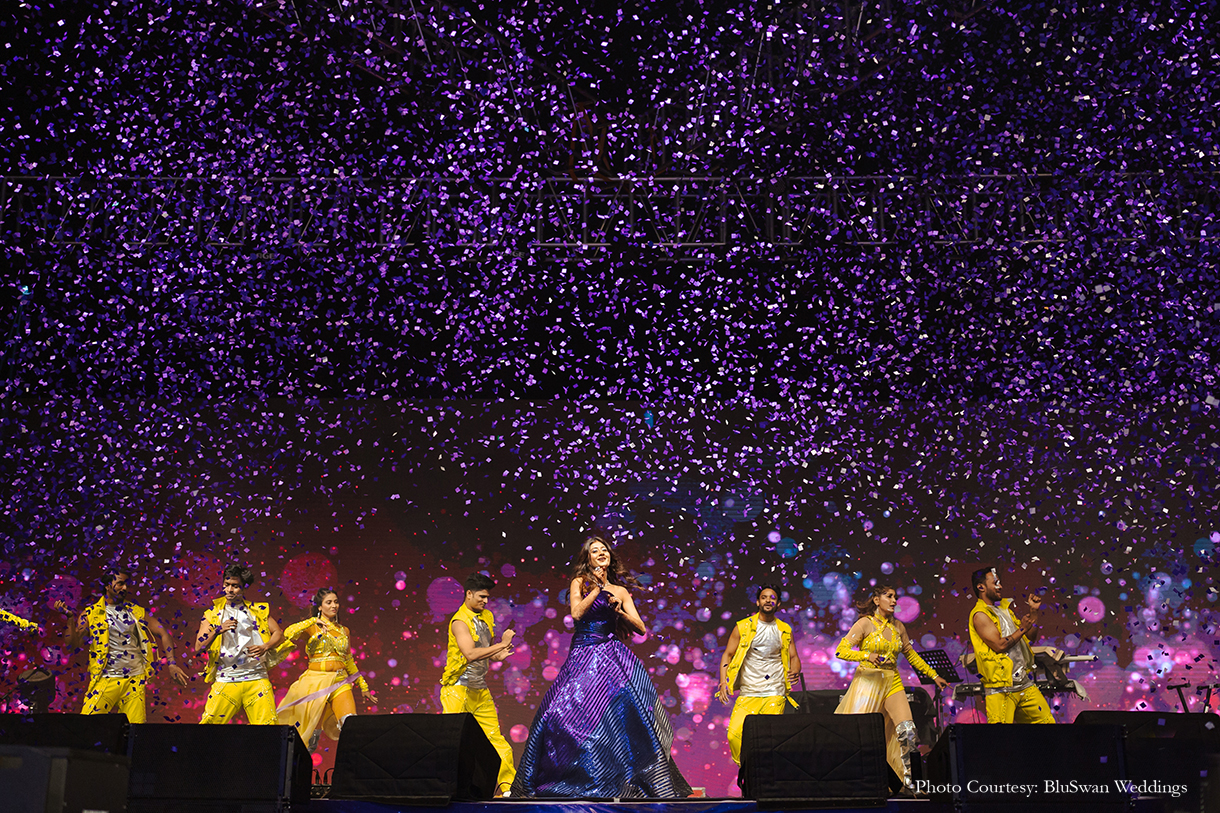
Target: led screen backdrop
point(376, 295)
point(1112, 510)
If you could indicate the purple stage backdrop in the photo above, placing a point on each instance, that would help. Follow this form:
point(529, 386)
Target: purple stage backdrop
point(376, 295)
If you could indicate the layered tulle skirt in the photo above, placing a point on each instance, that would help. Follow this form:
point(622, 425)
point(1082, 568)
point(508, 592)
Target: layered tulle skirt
point(600, 731)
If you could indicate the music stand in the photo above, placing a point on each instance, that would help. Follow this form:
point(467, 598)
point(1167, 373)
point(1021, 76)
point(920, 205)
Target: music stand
point(1178, 687)
point(938, 659)
point(1207, 688)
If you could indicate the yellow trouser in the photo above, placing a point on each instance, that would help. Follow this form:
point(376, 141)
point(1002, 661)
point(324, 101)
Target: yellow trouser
point(744, 707)
point(1026, 706)
point(457, 699)
point(125, 692)
point(226, 699)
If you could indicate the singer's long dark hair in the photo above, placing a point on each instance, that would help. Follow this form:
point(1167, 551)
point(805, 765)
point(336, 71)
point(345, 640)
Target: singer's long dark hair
point(615, 573)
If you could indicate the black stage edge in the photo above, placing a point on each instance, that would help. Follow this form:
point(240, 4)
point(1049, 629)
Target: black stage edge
point(604, 806)
point(645, 806)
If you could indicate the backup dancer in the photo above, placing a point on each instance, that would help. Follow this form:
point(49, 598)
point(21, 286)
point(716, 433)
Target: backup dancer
point(469, 653)
point(321, 698)
point(238, 634)
point(1002, 654)
point(122, 649)
point(874, 642)
point(760, 653)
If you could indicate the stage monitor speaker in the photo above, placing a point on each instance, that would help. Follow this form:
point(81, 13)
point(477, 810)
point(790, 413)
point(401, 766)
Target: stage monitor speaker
point(815, 701)
point(1157, 724)
point(825, 701)
point(180, 768)
point(1167, 755)
point(107, 733)
point(62, 780)
point(798, 760)
point(1070, 768)
point(1210, 792)
point(414, 759)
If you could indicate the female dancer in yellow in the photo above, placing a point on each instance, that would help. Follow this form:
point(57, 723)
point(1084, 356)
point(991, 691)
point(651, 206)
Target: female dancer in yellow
point(321, 699)
point(874, 642)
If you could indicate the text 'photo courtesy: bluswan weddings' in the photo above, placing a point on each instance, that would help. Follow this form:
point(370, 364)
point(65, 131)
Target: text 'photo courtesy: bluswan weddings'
point(1055, 787)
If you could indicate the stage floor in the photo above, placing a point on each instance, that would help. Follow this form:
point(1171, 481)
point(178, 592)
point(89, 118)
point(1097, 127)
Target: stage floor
point(602, 806)
point(645, 806)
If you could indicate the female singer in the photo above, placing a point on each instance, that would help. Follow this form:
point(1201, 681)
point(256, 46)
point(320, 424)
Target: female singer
point(321, 699)
point(600, 730)
point(874, 642)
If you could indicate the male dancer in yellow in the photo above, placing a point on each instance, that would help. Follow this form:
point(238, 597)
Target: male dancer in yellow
point(121, 648)
point(237, 634)
point(19, 622)
point(464, 681)
point(1002, 654)
point(760, 652)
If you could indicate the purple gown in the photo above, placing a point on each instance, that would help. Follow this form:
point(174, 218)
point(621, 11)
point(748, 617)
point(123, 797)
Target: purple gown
point(600, 731)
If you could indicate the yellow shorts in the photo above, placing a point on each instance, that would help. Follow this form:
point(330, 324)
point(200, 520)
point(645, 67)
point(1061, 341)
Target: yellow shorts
point(256, 697)
point(895, 684)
